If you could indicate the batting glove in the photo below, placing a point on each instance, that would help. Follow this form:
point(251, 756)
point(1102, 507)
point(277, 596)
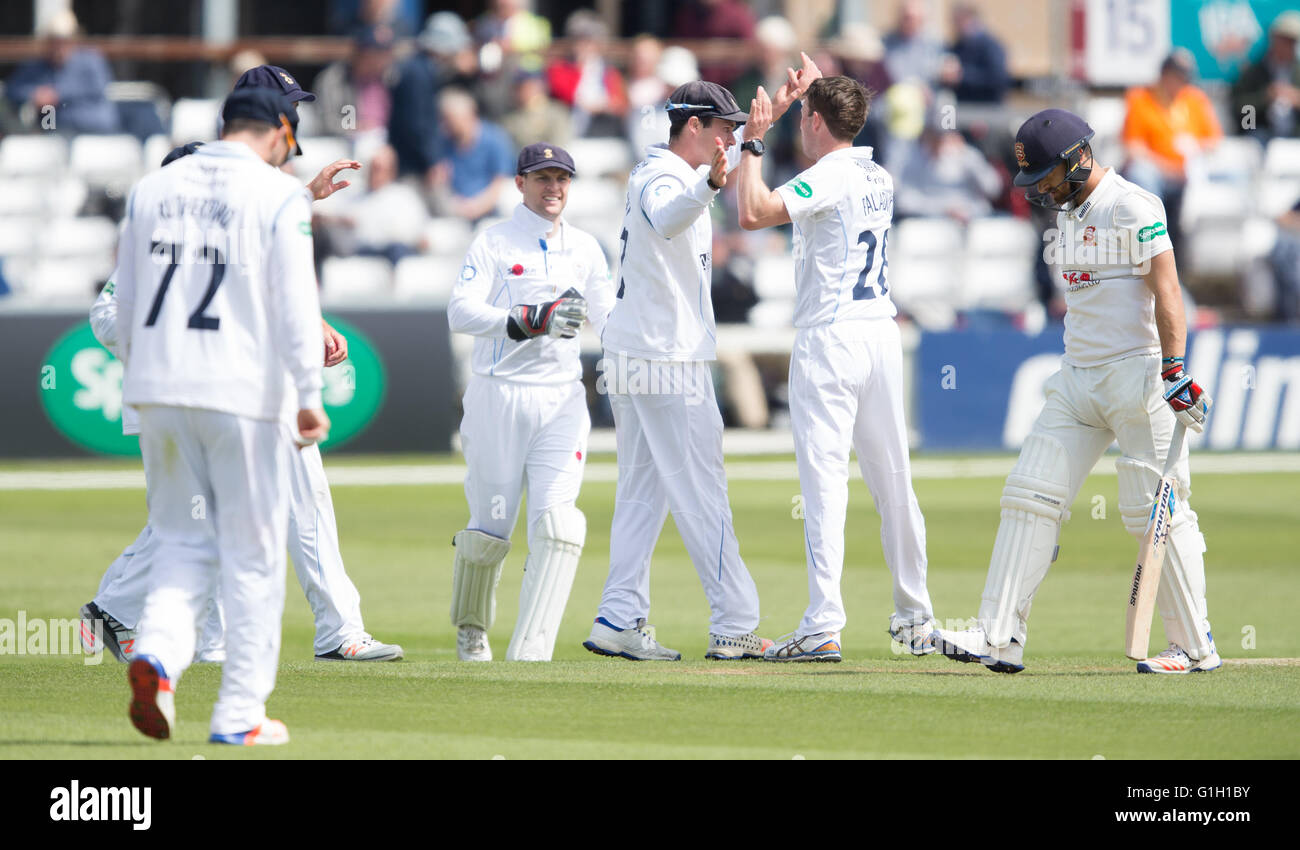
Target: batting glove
point(561, 318)
point(1191, 404)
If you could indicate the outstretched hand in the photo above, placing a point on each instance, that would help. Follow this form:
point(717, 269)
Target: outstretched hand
point(718, 168)
point(323, 185)
point(795, 86)
point(760, 116)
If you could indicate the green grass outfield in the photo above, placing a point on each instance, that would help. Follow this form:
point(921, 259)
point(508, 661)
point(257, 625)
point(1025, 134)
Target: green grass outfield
point(1078, 698)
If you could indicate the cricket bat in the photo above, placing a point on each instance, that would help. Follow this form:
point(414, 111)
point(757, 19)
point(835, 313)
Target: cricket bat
point(1151, 556)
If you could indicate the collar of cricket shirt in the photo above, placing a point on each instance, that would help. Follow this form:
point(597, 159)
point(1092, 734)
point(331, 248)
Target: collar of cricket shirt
point(227, 149)
point(1099, 191)
point(670, 160)
point(534, 224)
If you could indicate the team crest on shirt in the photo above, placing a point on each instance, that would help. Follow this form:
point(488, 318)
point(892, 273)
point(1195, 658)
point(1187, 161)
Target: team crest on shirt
point(1090, 235)
point(468, 272)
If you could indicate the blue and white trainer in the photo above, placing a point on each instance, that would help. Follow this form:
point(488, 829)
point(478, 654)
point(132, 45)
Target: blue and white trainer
point(637, 643)
point(823, 646)
point(917, 639)
point(269, 733)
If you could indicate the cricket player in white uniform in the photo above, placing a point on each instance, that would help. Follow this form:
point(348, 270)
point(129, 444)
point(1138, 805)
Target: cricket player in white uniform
point(846, 370)
point(217, 301)
point(1124, 333)
point(525, 289)
point(313, 530)
point(658, 343)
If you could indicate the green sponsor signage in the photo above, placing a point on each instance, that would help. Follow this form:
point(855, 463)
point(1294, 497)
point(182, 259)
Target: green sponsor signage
point(80, 386)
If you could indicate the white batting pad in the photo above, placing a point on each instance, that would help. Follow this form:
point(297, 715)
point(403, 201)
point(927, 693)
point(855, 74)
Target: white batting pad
point(548, 578)
point(1033, 507)
point(474, 582)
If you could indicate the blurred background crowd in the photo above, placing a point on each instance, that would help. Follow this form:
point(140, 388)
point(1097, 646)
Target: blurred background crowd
point(435, 99)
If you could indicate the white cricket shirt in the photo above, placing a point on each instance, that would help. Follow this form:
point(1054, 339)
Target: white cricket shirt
point(664, 308)
point(515, 262)
point(842, 208)
point(216, 289)
point(1100, 251)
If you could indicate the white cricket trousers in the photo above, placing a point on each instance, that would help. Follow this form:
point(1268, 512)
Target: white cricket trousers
point(669, 436)
point(516, 435)
point(846, 390)
point(219, 506)
point(313, 551)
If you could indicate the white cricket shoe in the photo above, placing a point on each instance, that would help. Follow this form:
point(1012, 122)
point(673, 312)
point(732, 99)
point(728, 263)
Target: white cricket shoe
point(368, 649)
point(823, 646)
point(1176, 660)
point(472, 644)
point(725, 648)
point(972, 645)
point(116, 638)
point(269, 733)
point(917, 639)
point(153, 703)
point(637, 643)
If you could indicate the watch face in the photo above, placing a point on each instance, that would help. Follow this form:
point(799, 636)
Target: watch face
point(755, 146)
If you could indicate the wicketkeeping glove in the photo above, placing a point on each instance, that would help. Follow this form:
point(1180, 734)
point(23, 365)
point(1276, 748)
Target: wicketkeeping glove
point(1191, 404)
point(562, 317)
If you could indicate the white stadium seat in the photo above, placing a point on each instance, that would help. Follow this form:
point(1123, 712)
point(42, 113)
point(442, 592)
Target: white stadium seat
point(772, 313)
point(427, 278)
point(1277, 195)
point(63, 281)
point(600, 157)
point(774, 277)
point(1002, 236)
point(1282, 158)
point(195, 120)
point(78, 237)
point(346, 280)
point(106, 160)
point(998, 283)
point(156, 148)
point(594, 199)
point(24, 196)
point(17, 236)
point(43, 154)
point(318, 152)
point(927, 288)
point(448, 236)
point(926, 237)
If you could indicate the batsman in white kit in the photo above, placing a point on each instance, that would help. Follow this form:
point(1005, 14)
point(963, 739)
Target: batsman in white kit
point(657, 344)
point(1122, 378)
point(524, 291)
point(218, 302)
point(846, 370)
point(113, 614)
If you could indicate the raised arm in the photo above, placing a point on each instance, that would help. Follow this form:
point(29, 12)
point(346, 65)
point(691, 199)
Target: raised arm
point(759, 206)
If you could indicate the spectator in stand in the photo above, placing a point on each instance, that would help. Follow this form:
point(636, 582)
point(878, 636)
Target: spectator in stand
point(709, 19)
point(1271, 86)
point(656, 71)
point(912, 55)
point(401, 16)
point(445, 53)
point(975, 67)
point(66, 87)
point(388, 221)
point(1167, 123)
point(354, 96)
point(478, 160)
point(1285, 261)
point(589, 85)
point(861, 54)
point(536, 115)
point(777, 50)
point(510, 28)
point(945, 176)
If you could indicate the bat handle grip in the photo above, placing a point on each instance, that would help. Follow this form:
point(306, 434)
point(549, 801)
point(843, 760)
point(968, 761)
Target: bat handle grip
point(1175, 448)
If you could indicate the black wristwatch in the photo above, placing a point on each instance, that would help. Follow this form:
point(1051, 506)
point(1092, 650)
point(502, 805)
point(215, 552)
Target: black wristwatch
point(754, 146)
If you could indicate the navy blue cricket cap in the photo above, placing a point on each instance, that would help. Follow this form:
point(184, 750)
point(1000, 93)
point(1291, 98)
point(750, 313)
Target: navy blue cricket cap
point(706, 100)
point(1048, 138)
point(544, 155)
point(261, 104)
point(274, 77)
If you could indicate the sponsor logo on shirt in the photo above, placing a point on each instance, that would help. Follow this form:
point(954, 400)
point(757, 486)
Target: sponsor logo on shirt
point(801, 189)
point(305, 228)
point(1074, 281)
point(1146, 234)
